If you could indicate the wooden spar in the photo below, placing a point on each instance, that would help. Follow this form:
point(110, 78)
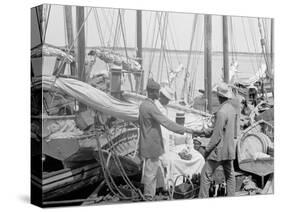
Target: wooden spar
point(80, 43)
point(39, 17)
point(139, 82)
point(139, 36)
point(225, 49)
point(208, 60)
point(69, 33)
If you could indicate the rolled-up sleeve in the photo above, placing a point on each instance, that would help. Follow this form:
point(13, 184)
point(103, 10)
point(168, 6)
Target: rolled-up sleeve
point(166, 122)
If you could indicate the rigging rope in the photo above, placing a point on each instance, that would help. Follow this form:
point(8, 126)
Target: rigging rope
point(86, 32)
point(161, 45)
point(195, 73)
point(247, 42)
point(172, 38)
point(255, 43)
point(266, 44)
point(123, 26)
point(265, 34)
point(99, 27)
point(107, 176)
point(111, 27)
point(64, 24)
point(148, 27)
point(116, 37)
point(38, 23)
point(42, 14)
point(169, 59)
point(146, 41)
point(189, 56)
point(163, 48)
point(105, 17)
point(72, 45)
point(166, 54)
point(163, 39)
point(47, 20)
point(264, 51)
point(154, 45)
point(121, 168)
point(233, 44)
point(69, 49)
point(106, 172)
point(125, 46)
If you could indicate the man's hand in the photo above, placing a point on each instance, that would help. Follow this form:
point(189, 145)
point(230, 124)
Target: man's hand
point(189, 131)
point(203, 133)
point(197, 133)
point(206, 154)
point(194, 132)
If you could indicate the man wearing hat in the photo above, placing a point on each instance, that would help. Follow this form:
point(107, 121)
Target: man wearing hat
point(165, 96)
point(221, 148)
point(151, 145)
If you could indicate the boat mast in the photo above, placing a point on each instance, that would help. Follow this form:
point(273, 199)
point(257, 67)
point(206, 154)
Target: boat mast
point(272, 53)
point(208, 60)
point(140, 80)
point(69, 33)
point(225, 49)
point(80, 43)
point(272, 43)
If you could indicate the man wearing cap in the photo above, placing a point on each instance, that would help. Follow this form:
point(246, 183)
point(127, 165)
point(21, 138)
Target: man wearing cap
point(151, 145)
point(221, 148)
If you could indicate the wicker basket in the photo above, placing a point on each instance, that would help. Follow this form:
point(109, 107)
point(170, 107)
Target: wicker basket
point(186, 190)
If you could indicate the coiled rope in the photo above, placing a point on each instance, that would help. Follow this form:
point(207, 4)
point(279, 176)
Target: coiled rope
point(108, 177)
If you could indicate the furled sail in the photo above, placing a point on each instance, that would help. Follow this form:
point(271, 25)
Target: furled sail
point(109, 56)
point(91, 97)
point(111, 106)
point(47, 50)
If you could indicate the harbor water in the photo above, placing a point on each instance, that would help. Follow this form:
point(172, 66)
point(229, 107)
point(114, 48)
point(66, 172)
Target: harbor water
point(248, 64)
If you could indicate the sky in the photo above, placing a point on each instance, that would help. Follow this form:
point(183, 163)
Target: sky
point(244, 35)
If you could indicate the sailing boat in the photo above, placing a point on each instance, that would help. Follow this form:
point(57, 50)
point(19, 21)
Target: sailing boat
point(69, 155)
point(115, 141)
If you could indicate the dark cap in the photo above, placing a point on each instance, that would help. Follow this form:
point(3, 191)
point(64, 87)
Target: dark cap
point(92, 53)
point(152, 85)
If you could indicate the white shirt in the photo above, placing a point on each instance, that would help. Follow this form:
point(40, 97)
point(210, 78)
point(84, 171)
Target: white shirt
point(165, 133)
point(162, 108)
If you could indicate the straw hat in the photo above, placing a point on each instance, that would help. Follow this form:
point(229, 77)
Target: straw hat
point(167, 92)
point(222, 89)
point(253, 87)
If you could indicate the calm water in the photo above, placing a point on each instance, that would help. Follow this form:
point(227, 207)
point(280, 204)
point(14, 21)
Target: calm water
point(248, 64)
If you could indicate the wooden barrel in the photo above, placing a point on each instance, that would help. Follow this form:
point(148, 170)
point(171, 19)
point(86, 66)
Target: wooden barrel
point(252, 143)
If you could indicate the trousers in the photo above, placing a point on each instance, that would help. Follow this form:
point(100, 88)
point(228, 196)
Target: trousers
point(152, 177)
point(206, 177)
